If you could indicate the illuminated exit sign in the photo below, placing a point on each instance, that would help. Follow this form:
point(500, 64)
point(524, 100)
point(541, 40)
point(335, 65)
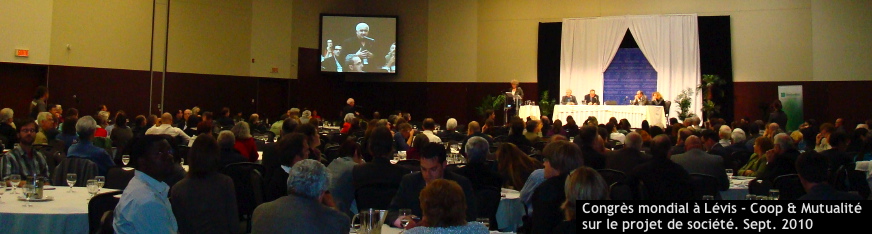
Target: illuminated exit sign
point(22, 53)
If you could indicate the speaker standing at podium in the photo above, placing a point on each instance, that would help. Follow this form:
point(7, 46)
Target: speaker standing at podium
point(513, 98)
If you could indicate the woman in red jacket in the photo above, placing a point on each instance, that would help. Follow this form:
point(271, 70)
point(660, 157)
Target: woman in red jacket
point(244, 142)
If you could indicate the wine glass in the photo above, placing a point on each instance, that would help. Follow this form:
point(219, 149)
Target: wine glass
point(28, 193)
point(71, 181)
point(729, 173)
point(14, 179)
point(484, 221)
point(125, 159)
point(101, 180)
point(2, 190)
point(774, 194)
point(406, 214)
point(92, 188)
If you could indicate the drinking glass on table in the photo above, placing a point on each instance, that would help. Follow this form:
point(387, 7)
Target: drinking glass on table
point(14, 180)
point(407, 217)
point(708, 197)
point(71, 180)
point(484, 221)
point(29, 190)
point(125, 159)
point(774, 194)
point(729, 174)
point(2, 190)
point(92, 188)
point(101, 180)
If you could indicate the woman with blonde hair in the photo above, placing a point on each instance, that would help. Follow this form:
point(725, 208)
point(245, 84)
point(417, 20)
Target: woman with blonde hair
point(515, 166)
point(583, 183)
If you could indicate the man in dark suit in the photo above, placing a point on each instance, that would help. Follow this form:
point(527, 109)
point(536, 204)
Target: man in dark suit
point(333, 63)
point(569, 99)
point(629, 157)
point(378, 172)
point(450, 133)
point(812, 170)
point(695, 160)
point(477, 171)
point(711, 145)
point(683, 134)
point(663, 179)
point(350, 108)
point(836, 156)
point(363, 46)
point(592, 98)
point(433, 165)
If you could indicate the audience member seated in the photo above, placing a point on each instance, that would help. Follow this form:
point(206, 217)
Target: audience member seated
point(480, 174)
point(474, 130)
point(205, 201)
point(430, 125)
point(85, 128)
point(516, 133)
point(614, 134)
point(753, 133)
point(102, 119)
point(771, 130)
point(433, 163)
point(663, 178)
point(276, 127)
point(695, 160)
point(403, 137)
point(121, 133)
point(291, 149)
point(68, 132)
point(780, 159)
point(561, 158)
point(515, 168)
point(556, 129)
point(629, 157)
point(341, 168)
point(313, 140)
point(245, 142)
point(445, 208)
point(144, 206)
point(450, 133)
point(710, 143)
point(47, 129)
point(346, 126)
point(585, 184)
point(23, 159)
point(223, 118)
point(757, 163)
point(813, 173)
point(308, 206)
point(140, 126)
point(738, 143)
point(836, 155)
point(165, 127)
point(229, 154)
point(204, 127)
point(7, 128)
point(418, 143)
point(534, 131)
point(591, 147)
point(378, 172)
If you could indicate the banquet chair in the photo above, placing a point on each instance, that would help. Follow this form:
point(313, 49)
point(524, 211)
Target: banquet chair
point(846, 178)
point(375, 196)
point(248, 182)
point(98, 206)
point(612, 176)
point(667, 107)
point(117, 178)
point(106, 223)
point(621, 191)
point(331, 153)
point(789, 187)
point(84, 169)
point(488, 201)
point(704, 184)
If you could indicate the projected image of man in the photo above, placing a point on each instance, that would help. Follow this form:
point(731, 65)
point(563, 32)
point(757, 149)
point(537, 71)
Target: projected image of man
point(353, 63)
point(361, 44)
point(333, 63)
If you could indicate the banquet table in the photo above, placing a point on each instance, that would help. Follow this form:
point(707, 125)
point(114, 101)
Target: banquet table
point(67, 213)
point(633, 114)
point(529, 111)
point(738, 188)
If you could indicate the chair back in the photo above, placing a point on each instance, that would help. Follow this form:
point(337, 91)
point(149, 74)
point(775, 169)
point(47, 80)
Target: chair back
point(846, 178)
point(106, 223)
point(118, 178)
point(84, 169)
point(611, 102)
point(667, 107)
point(331, 153)
point(789, 187)
point(248, 182)
point(376, 196)
point(704, 184)
point(759, 187)
point(612, 176)
point(621, 191)
point(98, 206)
point(488, 201)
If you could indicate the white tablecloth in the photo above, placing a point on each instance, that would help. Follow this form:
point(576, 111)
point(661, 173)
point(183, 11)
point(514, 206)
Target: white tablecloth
point(738, 189)
point(634, 114)
point(511, 211)
point(529, 111)
point(67, 213)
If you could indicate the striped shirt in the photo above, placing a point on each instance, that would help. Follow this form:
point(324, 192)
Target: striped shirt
point(16, 161)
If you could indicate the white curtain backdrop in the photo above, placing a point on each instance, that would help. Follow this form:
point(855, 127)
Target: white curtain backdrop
point(669, 42)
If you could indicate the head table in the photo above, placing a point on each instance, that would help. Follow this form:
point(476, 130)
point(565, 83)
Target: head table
point(634, 114)
point(67, 213)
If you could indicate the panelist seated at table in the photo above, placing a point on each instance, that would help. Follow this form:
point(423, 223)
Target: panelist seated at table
point(640, 99)
point(569, 99)
point(657, 100)
point(592, 98)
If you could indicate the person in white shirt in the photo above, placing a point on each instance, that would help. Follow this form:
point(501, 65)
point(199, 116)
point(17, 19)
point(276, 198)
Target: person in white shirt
point(429, 125)
point(144, 206)
point(165, 127)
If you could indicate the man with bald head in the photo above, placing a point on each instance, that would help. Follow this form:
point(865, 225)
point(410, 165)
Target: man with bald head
point(629, 157)
point(361, 45)
point(165, 127)
point(696, 160)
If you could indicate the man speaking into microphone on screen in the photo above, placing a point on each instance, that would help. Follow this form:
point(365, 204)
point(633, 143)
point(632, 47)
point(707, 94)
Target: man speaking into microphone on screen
point(361, 45)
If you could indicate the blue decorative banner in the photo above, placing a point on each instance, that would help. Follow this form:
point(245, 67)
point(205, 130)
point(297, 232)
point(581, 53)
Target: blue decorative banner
point(629, 72)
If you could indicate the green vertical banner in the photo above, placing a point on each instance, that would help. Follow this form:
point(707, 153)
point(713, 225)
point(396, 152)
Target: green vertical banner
point(791, 100)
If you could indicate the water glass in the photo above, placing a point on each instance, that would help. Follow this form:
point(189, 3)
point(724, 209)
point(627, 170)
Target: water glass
point(92, 188)
point(729, 173)
point(406, 215)
point(484, 221)
point(751, 197)
point(2, 190)
point(71, 181)
point(101, 180)
point(29, 190)
point(125, 159)
point(402, 154)
point(708, 197)
point(14, 179)
point(774, 194)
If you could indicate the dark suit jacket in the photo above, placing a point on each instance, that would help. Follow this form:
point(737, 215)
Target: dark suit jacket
point(329, 64)
point(678, 149)
point(719, 150)
point(837, 159)
point(780, 118)
point(547, 199)
point(481, 176)
point(348, 109)
point(276, 186)
point(663, 179)
point(295, 214)
point(625, 159)
point(11, 135)
point(519, 140)
point(827, 192)
point(592, 158)
point(379, 171)
point(410, 190)
point(451, 135)
point(567, 99)
point(205, 205)
point(352, 45)
point(698, 161)
point(595, 99)
point(229, 156)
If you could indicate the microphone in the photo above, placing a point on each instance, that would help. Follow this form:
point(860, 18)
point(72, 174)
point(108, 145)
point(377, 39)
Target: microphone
point(369, 38)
